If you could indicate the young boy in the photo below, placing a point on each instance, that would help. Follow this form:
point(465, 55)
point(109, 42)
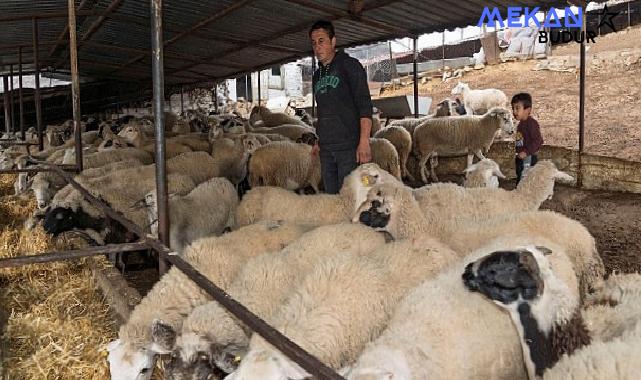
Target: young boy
point(528, 135)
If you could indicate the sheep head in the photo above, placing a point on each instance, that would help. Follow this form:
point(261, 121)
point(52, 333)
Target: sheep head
point(460, 88)
point(391, 208)
point(132, 134)
point(360, 180)
point(530, 282)
point(504, 118)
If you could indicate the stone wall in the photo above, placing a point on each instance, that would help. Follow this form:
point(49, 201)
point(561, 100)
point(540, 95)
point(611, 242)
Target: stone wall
point(598, 172)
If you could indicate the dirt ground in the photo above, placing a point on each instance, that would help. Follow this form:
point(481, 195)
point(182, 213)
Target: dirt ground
point(612, 218)
point(613, 96)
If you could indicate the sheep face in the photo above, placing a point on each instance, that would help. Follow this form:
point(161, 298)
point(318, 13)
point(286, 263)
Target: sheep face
point(131, 133)
point(201, 368)
point(459, 88)
point(376, 210)
point(540, 303)
point(444, 108)
point(504, 118)
point(126, 363)
point(42, 192)
point(61, 219)
point(6, 163)
point(308, 138)
point(505, 276)
point(360, 181)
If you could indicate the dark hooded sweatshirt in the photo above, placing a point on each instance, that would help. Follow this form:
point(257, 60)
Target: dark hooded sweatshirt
point(343, 98)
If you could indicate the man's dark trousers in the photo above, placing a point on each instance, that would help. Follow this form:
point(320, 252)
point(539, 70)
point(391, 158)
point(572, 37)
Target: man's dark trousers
point(335, 166)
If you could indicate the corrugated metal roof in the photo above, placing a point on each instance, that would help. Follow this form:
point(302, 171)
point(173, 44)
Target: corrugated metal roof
point(215, 39)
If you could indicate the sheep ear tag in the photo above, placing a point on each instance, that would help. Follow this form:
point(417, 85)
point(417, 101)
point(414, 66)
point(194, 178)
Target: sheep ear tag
point(365, 180)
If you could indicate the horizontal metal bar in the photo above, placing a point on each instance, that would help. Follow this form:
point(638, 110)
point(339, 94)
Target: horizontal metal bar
point(36, 170)
point(72, 254)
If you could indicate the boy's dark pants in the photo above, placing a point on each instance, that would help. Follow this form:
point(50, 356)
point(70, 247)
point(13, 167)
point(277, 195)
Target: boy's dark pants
point(335, 166)
point(519, 166)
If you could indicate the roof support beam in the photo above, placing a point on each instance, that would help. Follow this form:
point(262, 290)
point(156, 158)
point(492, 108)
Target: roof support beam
point(202, 23)
point(354, 16)
point(292, 29)
point(92, 28)
point(45, 15)
point(65, 32)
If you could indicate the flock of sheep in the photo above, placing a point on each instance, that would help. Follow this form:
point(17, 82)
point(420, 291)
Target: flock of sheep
point(380, 281)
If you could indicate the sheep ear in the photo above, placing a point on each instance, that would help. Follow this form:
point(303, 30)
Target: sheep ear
point(544, 250)
point(163, 335)
point(563, 177)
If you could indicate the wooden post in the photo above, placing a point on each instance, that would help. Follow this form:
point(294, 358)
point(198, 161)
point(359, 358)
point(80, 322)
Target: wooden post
point(7, 123)
point(36, 94)
point(22, 131)
point(159, 118)
point(75, 83)
point(12, 107)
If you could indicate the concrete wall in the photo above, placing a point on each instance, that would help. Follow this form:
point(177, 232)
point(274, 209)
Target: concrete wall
point(599, 172)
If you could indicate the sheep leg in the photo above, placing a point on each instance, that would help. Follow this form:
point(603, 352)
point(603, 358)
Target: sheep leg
point(433, 165)
point(406, 173)
point(422, 164)
point(470, 160)
point(469, 110)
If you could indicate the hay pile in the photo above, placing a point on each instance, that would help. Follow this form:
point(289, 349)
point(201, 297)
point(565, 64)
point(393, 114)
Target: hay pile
point(55, 322)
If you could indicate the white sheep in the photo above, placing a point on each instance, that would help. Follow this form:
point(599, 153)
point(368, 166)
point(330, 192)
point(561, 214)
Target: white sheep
point(485, 173)
point(103, 158)
point(123, 188)
point(479, 101)
point(292, 132)
point(270, 119)
point(231, 156)
point(441, 330)
point(263, 286)
point(207, 210)
point(134, 134)
point(458, 135)
point(451, 201)
point(345, 302)
point(402, 141)
point(284, 164)
point(444, 108)
point(616, 359)
point(384, 154)
point(272, 203)
point(392, 208)
point(613, 317)
point(174, 296)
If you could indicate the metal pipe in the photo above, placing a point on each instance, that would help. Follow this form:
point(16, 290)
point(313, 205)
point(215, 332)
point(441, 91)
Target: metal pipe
point(581, 104)
point(72, 254)
point(313, 95)
point(12, 107)
point(182, 102)
point(259, 88)
point(629, 14)
point(5, 84)
point(415, 77)
point(159, 107)
point(216, 98)
point(22, 131)
point(75, 83)
point(36, 94)
point(443, 51)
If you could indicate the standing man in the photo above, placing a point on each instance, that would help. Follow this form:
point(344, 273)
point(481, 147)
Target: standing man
point(344, 109)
